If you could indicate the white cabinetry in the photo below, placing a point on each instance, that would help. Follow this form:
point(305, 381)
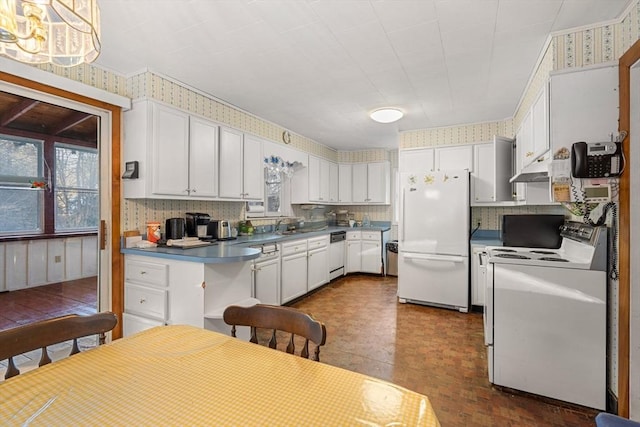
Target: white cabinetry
point(540, 123)
point(318, 262)
point(175, 153)
point(345, 183)
point(354, 250)
point(421, 159)
point(241, 166)
point(371, 183)
point(267, 278)
point(294, 270)
point(491, 172)
point(478, 274)
point(454, 158)
point(371, 252)
point(3, 282)
point(365, 251)
point(334, 183)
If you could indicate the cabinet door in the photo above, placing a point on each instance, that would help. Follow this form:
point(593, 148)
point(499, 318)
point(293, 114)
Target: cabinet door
point(253, 169)
point(416, 160)
point(314, 179)
point(371, 257)
point(454, 158)
point(324, 180)
point(267, 282)
point(203, 158)
point(318, 268)
point(73, 253)
point(354, 262)
point(379, 183)
point(3, 283)
point(37, 259)
point(16, 265)
point(359, 183)
point(524, 146)
point(344, 183)
point(333, 182)
point(483, 178)
point(540, 124)
point(89, 256)
point(230, 164)
point(294, 276)
point(170, 151)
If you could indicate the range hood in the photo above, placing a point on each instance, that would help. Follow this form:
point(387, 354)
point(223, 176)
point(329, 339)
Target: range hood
point(535, 172)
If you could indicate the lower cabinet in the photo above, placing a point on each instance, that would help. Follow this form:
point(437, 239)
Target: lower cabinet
point(294, 270)
point(317, 262)
point(478, 274)
point(365, 251)
point(164, 291)
point(266, 279)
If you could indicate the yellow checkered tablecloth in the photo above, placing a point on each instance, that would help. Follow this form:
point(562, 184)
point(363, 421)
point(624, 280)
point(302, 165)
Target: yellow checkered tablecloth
point(186, 376)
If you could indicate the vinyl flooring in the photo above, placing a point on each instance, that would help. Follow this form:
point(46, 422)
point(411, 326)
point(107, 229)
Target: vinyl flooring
point(436, 352)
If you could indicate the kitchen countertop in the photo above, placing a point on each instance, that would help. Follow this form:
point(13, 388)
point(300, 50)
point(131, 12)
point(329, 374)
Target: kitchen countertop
point(486, 238)
point(239, 249)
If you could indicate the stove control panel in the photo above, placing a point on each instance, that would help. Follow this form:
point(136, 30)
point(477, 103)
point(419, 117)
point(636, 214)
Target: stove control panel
point(578, 231)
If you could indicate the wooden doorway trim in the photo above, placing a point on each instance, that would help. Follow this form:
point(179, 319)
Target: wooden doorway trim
point(626, 61)
point(117, 290)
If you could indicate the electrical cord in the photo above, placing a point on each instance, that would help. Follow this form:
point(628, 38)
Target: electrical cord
point(613, 244)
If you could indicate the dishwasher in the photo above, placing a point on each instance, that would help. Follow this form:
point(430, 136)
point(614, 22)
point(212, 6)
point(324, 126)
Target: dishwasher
point(336, 254)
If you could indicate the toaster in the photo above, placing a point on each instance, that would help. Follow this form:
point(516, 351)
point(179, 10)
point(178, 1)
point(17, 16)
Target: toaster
point(220, 229)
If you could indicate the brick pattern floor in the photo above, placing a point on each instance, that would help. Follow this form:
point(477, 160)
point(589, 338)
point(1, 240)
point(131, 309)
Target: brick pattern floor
point(436, 352)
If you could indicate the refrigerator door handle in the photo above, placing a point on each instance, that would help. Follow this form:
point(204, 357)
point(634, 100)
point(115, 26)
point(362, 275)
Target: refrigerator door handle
point(402, 222)
point(426, 257)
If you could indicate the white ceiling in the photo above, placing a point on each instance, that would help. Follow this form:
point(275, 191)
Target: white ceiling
point(318, 67)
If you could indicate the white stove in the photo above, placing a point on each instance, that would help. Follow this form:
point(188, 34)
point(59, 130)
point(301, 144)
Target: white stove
point(583, 247)
point(545, 317)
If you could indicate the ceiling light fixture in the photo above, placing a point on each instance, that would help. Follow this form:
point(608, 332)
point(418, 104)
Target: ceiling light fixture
point(61, 32)
point(386, 115)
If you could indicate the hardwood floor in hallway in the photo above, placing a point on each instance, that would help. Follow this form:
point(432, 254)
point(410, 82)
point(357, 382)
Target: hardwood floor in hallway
point(44, 302)
point(437, 352)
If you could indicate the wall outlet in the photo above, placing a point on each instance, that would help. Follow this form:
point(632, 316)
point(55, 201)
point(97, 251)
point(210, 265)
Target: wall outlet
point(57, 258)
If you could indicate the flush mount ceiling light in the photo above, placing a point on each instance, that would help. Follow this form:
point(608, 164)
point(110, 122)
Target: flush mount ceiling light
point(386, 115)
point(61, 32)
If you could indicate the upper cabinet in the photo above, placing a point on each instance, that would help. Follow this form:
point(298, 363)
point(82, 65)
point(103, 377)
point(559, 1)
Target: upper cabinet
point(176, 153)
point(345, 183)
point(492, 171)
point(241, 166)
point(532, 137)
point(314, 183)
point(420, 159)
point(371, 183)
point(454, 158)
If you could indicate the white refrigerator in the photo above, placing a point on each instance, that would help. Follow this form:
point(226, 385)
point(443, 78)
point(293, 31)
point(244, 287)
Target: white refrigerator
point(433, 241)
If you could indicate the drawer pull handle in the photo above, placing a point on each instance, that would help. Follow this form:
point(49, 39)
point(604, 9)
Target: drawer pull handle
point(143, 272)
point(142, 300)
point(204, 285)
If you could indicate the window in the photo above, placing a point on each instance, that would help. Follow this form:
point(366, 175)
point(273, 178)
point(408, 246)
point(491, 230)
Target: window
point(38, 200)
point(21, 166)
point(76, 188)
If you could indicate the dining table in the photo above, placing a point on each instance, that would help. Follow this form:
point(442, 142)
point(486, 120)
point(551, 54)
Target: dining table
point(180, 375)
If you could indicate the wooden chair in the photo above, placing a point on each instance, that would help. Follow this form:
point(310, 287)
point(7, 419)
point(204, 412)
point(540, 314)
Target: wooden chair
point(44, 333)
point(277, 318)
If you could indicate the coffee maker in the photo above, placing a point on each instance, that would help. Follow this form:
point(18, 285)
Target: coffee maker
point(196, 224)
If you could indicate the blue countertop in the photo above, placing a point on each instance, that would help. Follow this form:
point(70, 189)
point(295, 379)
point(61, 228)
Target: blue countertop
point(239, 249)
point(486, 238)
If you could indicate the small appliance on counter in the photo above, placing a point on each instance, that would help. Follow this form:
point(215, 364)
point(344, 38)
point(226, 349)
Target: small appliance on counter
point(197, 224)
point(174, 229)
point(220, 229)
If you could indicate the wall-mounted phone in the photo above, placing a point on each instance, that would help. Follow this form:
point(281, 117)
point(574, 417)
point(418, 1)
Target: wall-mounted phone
point(596, 160)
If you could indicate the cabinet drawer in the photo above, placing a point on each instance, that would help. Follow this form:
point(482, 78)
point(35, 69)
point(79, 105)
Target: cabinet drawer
point(145, 301)
point(294, 247)
point(370, 235)
point(318, 242)
point(147, 273)
point(354, 235)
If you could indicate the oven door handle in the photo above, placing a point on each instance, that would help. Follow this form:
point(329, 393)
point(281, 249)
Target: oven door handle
point(425, 257)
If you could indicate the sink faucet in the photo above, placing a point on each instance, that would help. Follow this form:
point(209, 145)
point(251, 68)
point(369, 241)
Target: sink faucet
point(277, 226)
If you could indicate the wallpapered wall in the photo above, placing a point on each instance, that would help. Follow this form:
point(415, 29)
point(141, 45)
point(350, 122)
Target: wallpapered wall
point(574, 49)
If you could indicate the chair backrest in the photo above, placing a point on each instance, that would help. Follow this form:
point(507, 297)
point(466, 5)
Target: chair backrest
point(39, 335)
point(278, 318)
